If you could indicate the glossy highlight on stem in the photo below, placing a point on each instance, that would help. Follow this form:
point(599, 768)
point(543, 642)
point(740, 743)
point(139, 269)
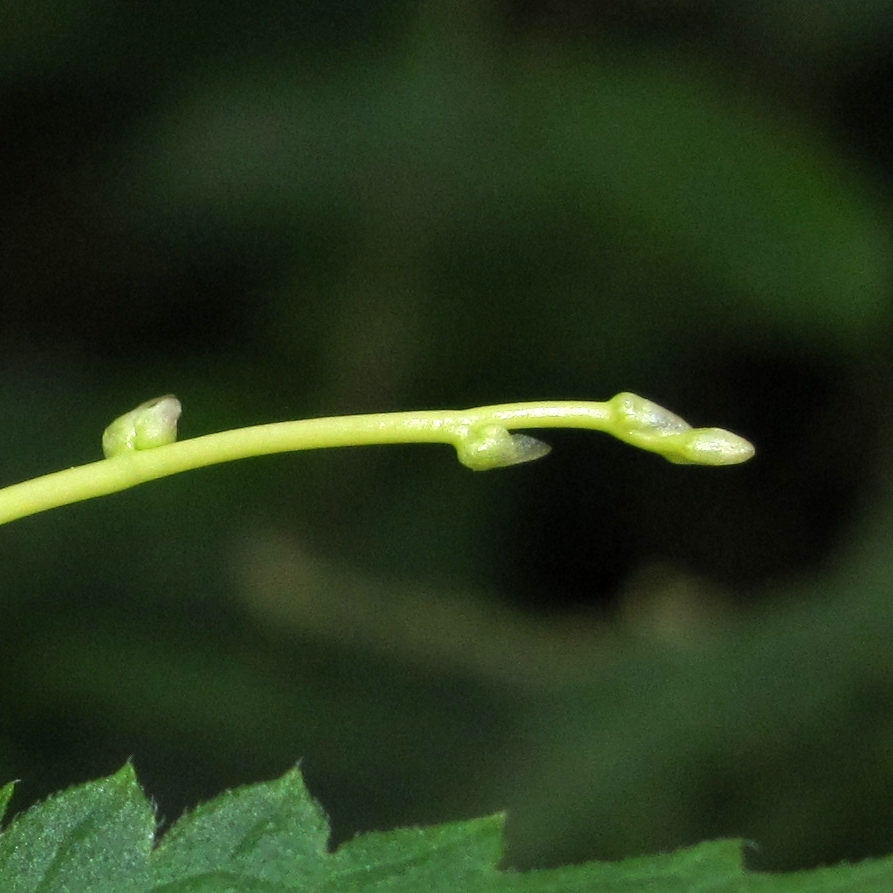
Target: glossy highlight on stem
point(141, 445)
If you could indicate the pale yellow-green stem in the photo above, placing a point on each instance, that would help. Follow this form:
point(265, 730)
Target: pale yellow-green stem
point(141, 445)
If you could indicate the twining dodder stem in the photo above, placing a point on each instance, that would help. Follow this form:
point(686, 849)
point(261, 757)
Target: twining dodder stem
point(141, 445)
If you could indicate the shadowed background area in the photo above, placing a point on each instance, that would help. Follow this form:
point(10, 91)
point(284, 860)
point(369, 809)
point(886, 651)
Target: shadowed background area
point(285, 210)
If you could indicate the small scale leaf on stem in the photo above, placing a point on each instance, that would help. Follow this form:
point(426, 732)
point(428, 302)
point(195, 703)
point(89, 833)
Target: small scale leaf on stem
point(640, 414)
point(492, 446)
point(151, 424)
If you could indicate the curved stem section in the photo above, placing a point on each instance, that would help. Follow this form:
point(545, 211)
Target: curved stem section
point(480, 436)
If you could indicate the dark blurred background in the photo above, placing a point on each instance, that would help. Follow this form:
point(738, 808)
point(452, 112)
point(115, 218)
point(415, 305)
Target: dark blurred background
point(280, 210)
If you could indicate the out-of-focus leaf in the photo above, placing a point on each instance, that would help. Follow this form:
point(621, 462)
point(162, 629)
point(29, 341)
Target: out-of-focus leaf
point(757, 206)
point(848, 31)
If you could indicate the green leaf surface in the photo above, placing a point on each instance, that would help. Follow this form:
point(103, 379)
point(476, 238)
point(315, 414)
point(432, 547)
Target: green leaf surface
point(267, 836)
point(94, 837)
point(272, 837)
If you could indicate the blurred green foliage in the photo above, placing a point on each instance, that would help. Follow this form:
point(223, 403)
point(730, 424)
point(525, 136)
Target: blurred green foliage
point(316, 208)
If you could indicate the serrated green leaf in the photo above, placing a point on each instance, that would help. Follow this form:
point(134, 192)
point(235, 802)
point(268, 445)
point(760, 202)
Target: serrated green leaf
point(271, 838)
point(272, 833)
point(94, 837)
